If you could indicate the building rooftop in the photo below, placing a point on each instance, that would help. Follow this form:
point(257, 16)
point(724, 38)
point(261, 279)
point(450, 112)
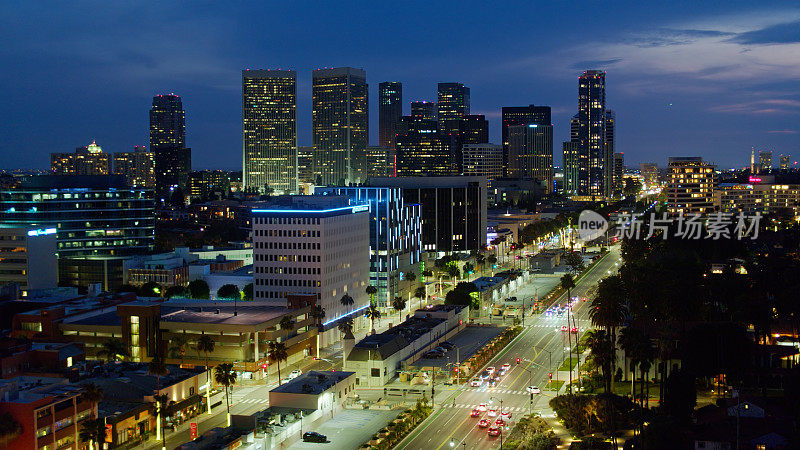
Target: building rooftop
point(102, 182)
point(313, 382)
point(108, 318)
point(207, 312)
point(129, 381)
point(383, 345)
point(28, 389)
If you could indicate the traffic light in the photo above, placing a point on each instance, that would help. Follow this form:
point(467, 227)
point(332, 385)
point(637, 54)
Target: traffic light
point(550, 375)
point(518, 360)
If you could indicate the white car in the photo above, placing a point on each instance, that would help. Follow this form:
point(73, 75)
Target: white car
point(506, 366)
point(490, 369)
point(533, 390)
point(295, 374)
point(492, 413)
point(481, 407)
point(475, 382)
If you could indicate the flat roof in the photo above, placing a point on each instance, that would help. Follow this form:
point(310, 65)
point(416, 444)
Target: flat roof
point(245, 315)
point(313, 382)
point(108, 319)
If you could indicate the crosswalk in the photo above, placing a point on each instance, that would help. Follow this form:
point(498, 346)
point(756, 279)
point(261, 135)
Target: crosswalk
point(512, 409)
point(251, 400)
point(497, 391)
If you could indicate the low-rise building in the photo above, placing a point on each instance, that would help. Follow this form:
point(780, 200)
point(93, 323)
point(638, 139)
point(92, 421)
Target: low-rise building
point(52, 359)
point(757, 196)
point(28, 258)
point(325, 391)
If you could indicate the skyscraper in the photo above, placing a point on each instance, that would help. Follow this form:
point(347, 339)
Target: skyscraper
point(592, 175)
point(390, 108)
point(89, 160)
point(423, 110)
point(522, 115)
point(609, 154)
point(453, 101)
point(138, 167)
point(531, 153)
point(420, 149)
point(269, 130)
point(340, 118)
point(765, 160)
point(619, 174)
point(690, 185)
point(786, 162)
point(173, 160)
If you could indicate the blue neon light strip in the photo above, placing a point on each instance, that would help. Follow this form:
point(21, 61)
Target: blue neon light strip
point(345, 315)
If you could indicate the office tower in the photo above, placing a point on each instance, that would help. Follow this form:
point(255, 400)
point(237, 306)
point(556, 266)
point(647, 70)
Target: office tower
point(786, 162)
point(89, 160)
point(752, 197)
point(649, 173)
point(305, 164)
point(485, 160)
point(269, 130)
point(453, 101)
point(340, 117)
point(530, 153)
point(609, 154)
point(423, 110)
point(390, 109)
point(453, 209)
point(316, 246)
point(690, 186)
point(395, 235)
point(138, 167)
point(380, 161)
point(473, 129)
point(589, 176)
point(173, 160)
point(765, 160)
point(421, 150)
point(28, 257)
point(94, 215)
point(619, 173)
point(522, 115)
point(209, 184)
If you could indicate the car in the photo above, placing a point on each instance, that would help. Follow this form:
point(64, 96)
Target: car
point(448, 345)
point(500, 423)
point(313, 436)
point(475, 382)
point(491, 382)
point(485, 374)
point(475, 413)
point(490, 369)
point(295, 374)
point(286, 380)
point(505, 366)
point(533, 390)
point(440, 349)
point(492, 413)
point(505, 415)
point(574, 330)
point(494, 431)
point(481, 407)
point(563, 328)
point(483, 423)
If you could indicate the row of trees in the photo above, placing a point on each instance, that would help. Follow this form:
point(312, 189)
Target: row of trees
point(197, 289)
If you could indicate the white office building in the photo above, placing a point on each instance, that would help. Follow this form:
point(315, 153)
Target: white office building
point(313, 245)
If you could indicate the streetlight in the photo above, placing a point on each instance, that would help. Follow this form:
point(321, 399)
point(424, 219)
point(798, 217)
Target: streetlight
point(501, 418)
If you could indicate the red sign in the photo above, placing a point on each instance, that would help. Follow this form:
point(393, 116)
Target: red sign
point(109, 433)
point(193, 430)
point(755, 179)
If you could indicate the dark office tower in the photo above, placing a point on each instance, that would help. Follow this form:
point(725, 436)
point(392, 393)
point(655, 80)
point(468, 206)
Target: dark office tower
point(269, 130)
point(474, 129)
point(531, 153)
point(619, 174)
point(423, 110)
point(522, 115)
point(390, 108)
point(609, 170)
point(592, 132)
point(340, 122)
point(576, 165)
point(173, 160)
point(453, 101)
point(420, 149)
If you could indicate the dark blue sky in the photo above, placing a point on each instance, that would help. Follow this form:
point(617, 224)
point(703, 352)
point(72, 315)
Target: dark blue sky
point(685, 77)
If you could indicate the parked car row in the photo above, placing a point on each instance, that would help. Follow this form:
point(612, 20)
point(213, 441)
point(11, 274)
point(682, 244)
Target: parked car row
point(439, 351)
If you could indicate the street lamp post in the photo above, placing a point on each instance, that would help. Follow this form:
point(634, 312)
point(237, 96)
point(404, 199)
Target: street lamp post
point(501, 417)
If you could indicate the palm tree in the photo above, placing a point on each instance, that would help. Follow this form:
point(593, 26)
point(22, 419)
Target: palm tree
point(609, 311)
point(114, 349)
point(157, 367)
point(647, 353)
point(371, 291)
point(346, 327)
point(92, 431)
point(10, 429)
point(346, 301)
point(631, 341)
point(226, 377)
point(468, 268)
point(94, 395)
point(206, 345)
point(373, 313)
point(420, 293)
point(567, 283)
point(178, 345)
point(276, 353)
point(317, 313)
point(411, 277)
point(479, 260)
point(597, 342)
point(491, 259)
point(287, 323)
point(453, 272)
point(399, 305)
point(159, 409)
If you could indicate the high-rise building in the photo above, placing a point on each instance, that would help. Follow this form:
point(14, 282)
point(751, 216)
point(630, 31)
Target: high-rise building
point(690, 186)
point(522, 115)
point(609, 154)
point(423, 110)
point(649, 173)
point(593, 162)
point(28, 258)
point(765, 160)
point(453, 101)
point(315, 246)
point(420, 149)
point(619, 173)
point(394, 235)
point(209, 184)
point(89, 160)
point(305, 164)
point(473, 129)
point(380, 161)
point(530, 153)
point(138, 167)
point(173, 160)
point(786, 162)
point(340, 117)
point(390, 109)
point(269, 130)
point(757, 197)
point(484, 160)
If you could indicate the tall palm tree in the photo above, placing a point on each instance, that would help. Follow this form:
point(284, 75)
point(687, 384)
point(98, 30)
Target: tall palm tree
point(630, 340)
point(468, 268)
point(226, 377)
point(411, 277)
point(206, 345)
point(287, 323)
point(346, 327)
point(454, 272)
point(158, 367)
point(94, 395)
point(609, 311)
point(158, 408)
point(10, 429)
point(92, 431)
point(178, 346)
point(276, 353)
point(647, 353)
point(317, 313)
point(479, 260)
point(347, 301)
point(371, 291)
point(373, 313)
point(567, 283)
point(399, 305)
point(597, 342)
point(420, 293)
point(113, 350)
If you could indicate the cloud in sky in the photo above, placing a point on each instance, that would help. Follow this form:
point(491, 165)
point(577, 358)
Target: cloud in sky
point(782, 33)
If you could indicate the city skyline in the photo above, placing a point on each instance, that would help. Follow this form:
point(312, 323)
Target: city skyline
point(721, 114)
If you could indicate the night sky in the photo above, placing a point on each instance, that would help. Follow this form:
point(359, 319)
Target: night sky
point(685, 77)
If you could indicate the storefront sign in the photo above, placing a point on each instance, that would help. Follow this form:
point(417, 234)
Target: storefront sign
point(193, 430)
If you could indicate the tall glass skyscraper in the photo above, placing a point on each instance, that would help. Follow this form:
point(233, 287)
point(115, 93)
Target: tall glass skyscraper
point(390, 108)
point(531, 153)
point(588, 134)
point(173, 161)
point(269, 130)
point(340, 124)
point(453, 101)
point(521, 115)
